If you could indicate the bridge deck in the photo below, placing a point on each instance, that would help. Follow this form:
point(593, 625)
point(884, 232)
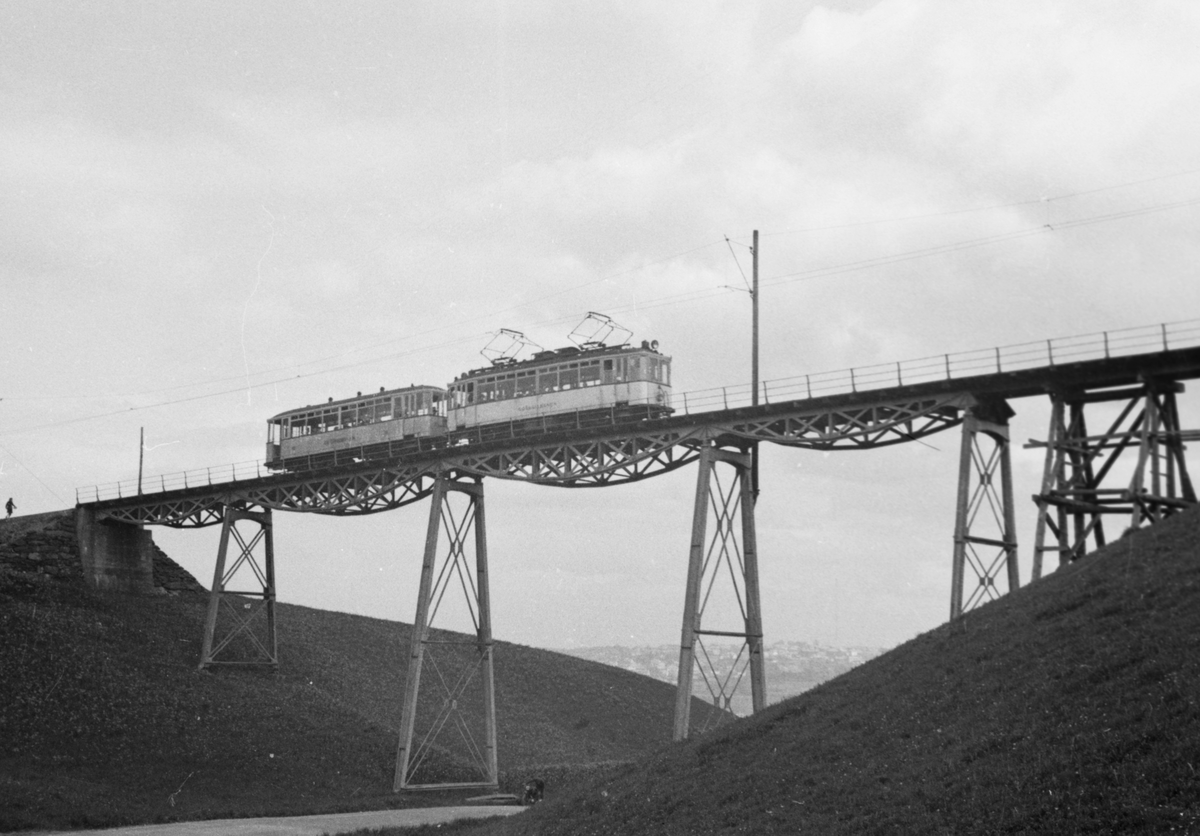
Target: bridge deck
point(863, 417)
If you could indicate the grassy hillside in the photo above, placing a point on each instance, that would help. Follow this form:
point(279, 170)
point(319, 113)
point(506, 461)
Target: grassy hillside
point(105, 719)
point(1071, 706)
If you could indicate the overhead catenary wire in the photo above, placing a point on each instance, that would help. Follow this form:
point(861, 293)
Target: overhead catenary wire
point(680, 298)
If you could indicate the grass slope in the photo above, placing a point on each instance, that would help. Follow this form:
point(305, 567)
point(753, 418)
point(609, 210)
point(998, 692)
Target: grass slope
point(104, 718)
point(1070, 706)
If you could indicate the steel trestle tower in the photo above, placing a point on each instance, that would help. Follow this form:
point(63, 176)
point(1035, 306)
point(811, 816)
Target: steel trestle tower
point(456, 662)
point(709, 560)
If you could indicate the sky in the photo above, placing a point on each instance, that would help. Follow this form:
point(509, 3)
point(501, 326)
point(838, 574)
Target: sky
point(211, 212)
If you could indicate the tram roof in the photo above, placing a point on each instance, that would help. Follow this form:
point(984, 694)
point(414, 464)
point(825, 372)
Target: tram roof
point(558, 355)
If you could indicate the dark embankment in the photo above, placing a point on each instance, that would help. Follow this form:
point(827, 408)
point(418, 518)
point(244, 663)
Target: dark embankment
point(1071, 706)
point(105, 719)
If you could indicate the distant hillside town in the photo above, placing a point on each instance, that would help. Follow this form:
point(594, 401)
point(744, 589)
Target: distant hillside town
point(791, 667)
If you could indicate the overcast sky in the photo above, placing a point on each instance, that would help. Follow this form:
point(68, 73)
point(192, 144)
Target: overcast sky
point(214, 211)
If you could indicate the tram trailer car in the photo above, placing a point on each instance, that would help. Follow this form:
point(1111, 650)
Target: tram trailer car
point(361, 421)
point(568, 383)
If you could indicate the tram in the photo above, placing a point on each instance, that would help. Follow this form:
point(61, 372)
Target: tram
point(587, 384)
point(563, 382)
point(390, 415)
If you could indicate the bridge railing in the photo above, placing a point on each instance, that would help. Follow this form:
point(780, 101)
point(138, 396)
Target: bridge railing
point(160, 483)
point(1009, 358)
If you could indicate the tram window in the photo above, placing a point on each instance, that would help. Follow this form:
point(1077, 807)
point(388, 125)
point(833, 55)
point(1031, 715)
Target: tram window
point(505, 388)
point(526, 383)
point(547, 380)
point(568, 378)
point(589, 373)
point(487, 391)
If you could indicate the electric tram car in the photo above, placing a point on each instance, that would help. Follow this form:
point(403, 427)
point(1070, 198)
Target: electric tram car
point(575, 386)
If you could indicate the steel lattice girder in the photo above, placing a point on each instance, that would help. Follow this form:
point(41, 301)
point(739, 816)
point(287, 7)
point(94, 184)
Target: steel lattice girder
point(346, 494)
point(589, 463)
point(857, 427)
point(640, 453)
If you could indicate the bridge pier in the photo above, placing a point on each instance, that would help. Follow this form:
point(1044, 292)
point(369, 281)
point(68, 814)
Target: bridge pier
point(710, 559)
point(116, 556)
point(455, 662)
point(249, 635)
point(1074, 500)
point(985, 455)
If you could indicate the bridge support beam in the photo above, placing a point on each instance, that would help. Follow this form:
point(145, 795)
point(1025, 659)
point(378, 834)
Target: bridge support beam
point(465, 702)
point(985, 455)
point(1074, 500)
point(248, 634)
point(711, 561)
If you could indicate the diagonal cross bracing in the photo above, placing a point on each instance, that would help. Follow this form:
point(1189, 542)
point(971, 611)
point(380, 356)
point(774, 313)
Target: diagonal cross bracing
point(462, 670)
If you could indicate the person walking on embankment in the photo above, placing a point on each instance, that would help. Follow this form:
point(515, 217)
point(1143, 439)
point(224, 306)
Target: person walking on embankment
point(10, 506)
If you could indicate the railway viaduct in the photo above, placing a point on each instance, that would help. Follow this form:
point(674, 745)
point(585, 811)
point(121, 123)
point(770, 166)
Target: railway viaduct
point(1136, 372)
